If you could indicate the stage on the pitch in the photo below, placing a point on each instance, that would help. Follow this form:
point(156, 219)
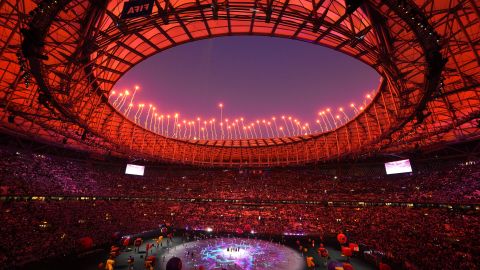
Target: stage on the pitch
point(237, 253)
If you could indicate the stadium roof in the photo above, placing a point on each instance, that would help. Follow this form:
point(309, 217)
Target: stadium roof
point(59, 60)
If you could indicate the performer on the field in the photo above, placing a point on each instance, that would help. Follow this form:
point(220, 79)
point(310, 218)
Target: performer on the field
point(323, 252)
point(159, 240)
point(110, 263)
point(149, 265)
point(310, 263)
point(131, 262)
point(147, 248)
point(137, 243)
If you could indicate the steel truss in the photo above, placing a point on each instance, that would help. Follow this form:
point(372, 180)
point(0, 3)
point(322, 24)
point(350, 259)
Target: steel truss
point(60, 59)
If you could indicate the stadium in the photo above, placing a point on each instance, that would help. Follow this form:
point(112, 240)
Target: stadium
point(93, 178)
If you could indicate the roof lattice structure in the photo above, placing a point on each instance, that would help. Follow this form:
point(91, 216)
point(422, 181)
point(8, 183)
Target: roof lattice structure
point(60, 59)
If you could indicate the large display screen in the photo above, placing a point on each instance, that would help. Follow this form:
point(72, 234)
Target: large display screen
point(134, 169)
point(400, 166)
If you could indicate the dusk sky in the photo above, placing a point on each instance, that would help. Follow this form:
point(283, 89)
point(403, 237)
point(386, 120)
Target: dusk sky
point(254, 77)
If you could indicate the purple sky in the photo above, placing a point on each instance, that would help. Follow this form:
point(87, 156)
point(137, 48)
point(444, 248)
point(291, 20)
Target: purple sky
point(254, 77)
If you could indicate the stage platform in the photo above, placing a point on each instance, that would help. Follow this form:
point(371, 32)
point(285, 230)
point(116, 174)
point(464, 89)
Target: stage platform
point(232, 253)
point(236, 254)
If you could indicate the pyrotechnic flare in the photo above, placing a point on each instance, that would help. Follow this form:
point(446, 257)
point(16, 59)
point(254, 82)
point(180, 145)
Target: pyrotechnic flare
point(320, 125)
point(243, 127)
point(140, 114)
point(179, 130)
point(254, 131)
point(299, 127)
point(168, 125)
point(352, 105)
point(325, 120)
point(241, 130)
point(130, 106)
point(158, 125)
point(155, 124)
point(331, 115)
point(112, 93)
point(189, 130)
point(199, 128)
point(367, 97)
point(234, 131)
point(266, 128)
point(269, 124)
point(214, 129)
point(135, 118)
point(291, 123)
point(241, 120)
point(221, 112)
point(286, 125)
point(136, 114)
point(195, 130)
point(127, 111)
point(308, 128)
point(205, 129)
point(259, 128)
point(275, 124)
point(174, 131)
point(161, 120)
point(229, 131)
point(237, 126)
point(148, 113)
point(126, 94)
point(151, 117)
point(338, 119)
point(226, 125)
point(250, 130)
point(122, 101)
point(211, 129)
point(344, 114)
point(221, 129)
point(175, 123)
point(116, 100)
point(184, 129)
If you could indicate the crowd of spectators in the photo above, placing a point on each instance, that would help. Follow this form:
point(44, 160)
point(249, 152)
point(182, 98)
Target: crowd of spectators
point(416, 238)
point(42, 175)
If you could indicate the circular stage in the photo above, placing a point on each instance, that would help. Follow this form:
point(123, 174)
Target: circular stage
point(237, 253)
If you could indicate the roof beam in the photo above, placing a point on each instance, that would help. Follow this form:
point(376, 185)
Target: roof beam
point(146, 40)
point(254, 14)
point(280, 15)
point(204, 19)
point(330, 28)
point(180, 21)
point(121, 43)
point(164, 33)
point(163, 12)
point(313, 13)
